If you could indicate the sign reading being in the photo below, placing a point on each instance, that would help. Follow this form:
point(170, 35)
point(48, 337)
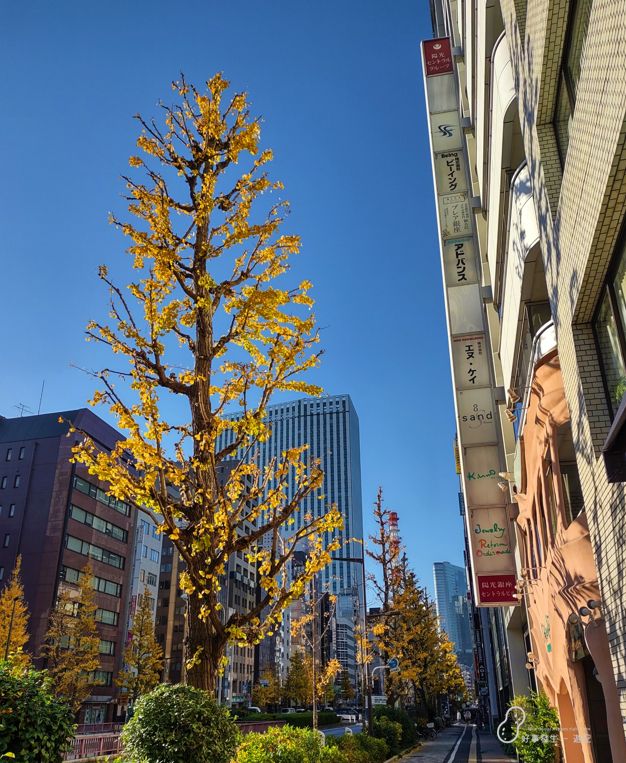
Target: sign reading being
point(450, 172)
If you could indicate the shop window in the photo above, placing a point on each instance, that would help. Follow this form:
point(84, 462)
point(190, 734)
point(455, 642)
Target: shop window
point(571, 65)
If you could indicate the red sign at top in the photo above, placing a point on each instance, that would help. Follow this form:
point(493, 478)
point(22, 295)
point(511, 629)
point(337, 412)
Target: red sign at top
point(437, 56)
point(497, 589)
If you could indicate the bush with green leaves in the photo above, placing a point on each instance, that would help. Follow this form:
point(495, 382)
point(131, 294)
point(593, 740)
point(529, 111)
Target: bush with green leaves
point(35, 726)
point(538, 737)
point(390, 731)
point(409, 729)
point(360, 748)
point(179, 724)
point(286, 744)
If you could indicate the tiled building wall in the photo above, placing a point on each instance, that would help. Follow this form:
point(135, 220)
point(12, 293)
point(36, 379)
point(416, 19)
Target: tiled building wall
point(580, 213)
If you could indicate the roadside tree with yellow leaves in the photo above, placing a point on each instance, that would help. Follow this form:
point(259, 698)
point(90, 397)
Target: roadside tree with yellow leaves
point(209, 326)
point(428, 664)
point(14, 621)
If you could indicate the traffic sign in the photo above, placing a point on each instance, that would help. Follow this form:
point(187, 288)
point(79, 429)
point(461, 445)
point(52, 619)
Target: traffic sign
point(393, 664)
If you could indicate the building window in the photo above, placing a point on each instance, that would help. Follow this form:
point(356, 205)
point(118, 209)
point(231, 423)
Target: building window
point(107, 647)
point(95, 552)
point(145, 527)
point(99, 524)
point(3, 483)
point(16, 481)
point(106, 616)
point(570, 72)
point(12, 510)
point(9, 454)
point(88, 488)
point(20, 455)
point(7, 540)
point(1, 573)
point(609, 325)
point(154, 555)
point(152, 579)
point(101, 678)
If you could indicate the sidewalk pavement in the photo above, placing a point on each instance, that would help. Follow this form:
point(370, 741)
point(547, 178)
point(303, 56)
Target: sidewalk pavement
point(490, 749)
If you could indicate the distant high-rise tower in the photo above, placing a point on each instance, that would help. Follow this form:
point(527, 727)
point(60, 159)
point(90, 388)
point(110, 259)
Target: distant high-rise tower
point(330, 427)
point(453, 608)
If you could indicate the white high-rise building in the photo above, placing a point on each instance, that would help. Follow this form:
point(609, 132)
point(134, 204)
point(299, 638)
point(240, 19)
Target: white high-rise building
point(330, 427)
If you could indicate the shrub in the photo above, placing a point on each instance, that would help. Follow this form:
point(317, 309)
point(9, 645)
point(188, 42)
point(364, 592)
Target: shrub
point(409, 730)
point(286, 744)
point(538, 738)
point(390, 731)
point(360, 748)
point(179, 724)
point(35, 726)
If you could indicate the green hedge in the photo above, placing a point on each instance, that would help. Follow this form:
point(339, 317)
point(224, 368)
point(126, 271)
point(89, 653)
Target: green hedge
point(286, 744)
point(409, 729)
point(360, 748)
point(179, 724)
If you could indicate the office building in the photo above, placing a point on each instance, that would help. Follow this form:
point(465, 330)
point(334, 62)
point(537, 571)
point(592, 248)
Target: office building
point(58, 518)
point(451, 597)
point(527, 116)
point(330, 427)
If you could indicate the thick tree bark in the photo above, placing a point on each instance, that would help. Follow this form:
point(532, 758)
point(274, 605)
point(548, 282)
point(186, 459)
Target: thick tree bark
point(209, 646)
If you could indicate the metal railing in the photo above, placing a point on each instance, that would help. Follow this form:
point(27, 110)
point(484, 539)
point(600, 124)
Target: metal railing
point(85, 746)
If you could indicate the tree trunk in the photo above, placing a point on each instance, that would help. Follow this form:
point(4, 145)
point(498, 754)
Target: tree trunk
point(205, 648)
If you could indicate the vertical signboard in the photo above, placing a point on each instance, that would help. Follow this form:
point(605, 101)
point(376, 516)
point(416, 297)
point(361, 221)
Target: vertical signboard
point(488, 525)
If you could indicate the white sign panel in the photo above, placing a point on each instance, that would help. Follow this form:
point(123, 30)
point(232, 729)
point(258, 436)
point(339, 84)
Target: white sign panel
point(441, 93)
point(481, 465)
point(450, 174)
point(459, 262)
point(445, 129)
point(469, 360)
point(490, 540)
point(465, 309)
point(455, 216)
point(477, 418)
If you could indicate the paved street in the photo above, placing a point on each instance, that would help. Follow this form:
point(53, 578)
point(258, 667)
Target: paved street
point(459, 744)
point(335, 731)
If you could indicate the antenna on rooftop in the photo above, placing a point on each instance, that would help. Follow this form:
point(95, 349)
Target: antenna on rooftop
point(43, 384)
point(22, 409)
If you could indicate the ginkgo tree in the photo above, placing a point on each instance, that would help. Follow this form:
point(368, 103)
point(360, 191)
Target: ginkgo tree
point(208, 326)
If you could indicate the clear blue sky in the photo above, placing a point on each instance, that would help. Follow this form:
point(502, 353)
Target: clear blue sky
point(339, 85)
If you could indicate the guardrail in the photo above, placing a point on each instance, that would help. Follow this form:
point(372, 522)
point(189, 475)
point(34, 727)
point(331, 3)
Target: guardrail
point(94, 745)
